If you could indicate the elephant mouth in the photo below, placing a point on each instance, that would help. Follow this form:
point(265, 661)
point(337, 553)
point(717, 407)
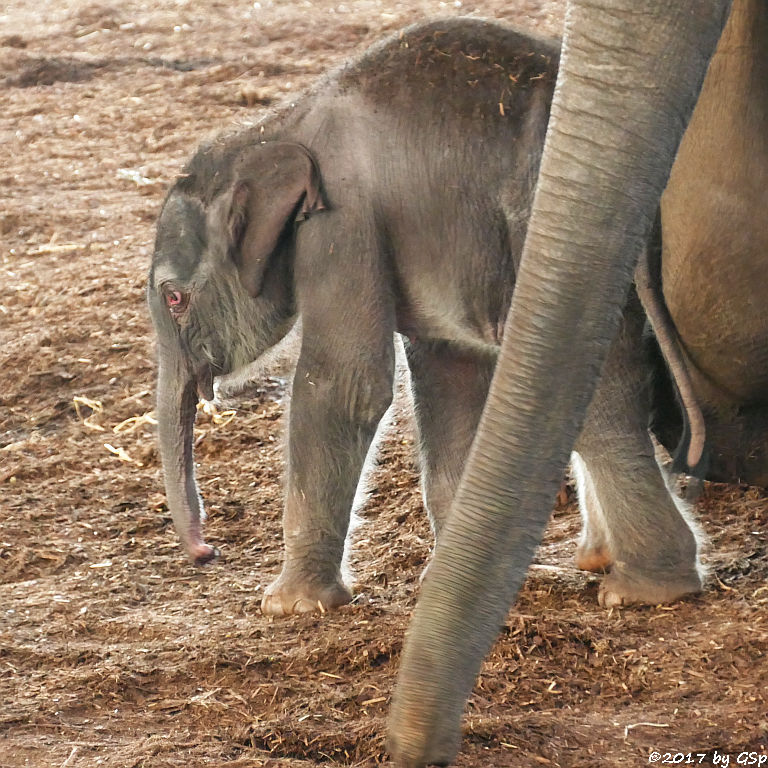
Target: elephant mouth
point(204, 380)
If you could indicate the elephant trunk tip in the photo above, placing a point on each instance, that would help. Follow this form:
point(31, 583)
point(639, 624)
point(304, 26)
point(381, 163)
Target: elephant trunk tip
point(201, 553)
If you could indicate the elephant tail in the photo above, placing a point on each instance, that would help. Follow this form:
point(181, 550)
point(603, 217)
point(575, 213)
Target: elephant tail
point(690, 456)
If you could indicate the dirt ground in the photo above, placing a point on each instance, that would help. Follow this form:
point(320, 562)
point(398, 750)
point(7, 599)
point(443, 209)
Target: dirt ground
point(113, 650)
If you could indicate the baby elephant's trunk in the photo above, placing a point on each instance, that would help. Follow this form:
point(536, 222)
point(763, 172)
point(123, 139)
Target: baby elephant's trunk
point(176, 406)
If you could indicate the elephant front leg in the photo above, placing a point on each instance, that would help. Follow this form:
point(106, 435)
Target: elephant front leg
point(449, 389)
point(633, 527)
point(333, 418)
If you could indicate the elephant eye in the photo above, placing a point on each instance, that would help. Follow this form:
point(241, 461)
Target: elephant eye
point(176, 300)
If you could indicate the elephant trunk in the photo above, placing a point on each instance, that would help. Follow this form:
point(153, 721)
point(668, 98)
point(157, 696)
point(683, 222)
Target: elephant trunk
point(629, 77)
point(177, 396)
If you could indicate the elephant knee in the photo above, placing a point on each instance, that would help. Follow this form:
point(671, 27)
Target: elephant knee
point(366, 402)
point(359, 403)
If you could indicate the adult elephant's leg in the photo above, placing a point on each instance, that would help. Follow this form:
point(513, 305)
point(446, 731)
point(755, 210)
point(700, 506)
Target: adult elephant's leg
point(629, 77)
point(449, 387)
point(645, 539)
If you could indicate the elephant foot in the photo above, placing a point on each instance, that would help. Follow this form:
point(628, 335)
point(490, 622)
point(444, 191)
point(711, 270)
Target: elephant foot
point(595, 559)
point(622, 588)
point(288, 595)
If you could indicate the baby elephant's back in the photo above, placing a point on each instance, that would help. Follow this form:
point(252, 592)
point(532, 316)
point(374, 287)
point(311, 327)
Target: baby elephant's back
point(455, 72)
point(441, 127)
point(453, 104)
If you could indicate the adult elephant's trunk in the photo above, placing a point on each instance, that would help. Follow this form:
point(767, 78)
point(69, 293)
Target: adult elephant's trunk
point(629, 77)
point(176, 406)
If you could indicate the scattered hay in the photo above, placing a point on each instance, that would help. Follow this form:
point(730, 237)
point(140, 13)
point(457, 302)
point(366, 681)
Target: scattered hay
point(132, 423)
point(96, 409)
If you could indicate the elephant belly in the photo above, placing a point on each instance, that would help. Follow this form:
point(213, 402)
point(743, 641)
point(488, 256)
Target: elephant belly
point(715, 229)
point(715, 273)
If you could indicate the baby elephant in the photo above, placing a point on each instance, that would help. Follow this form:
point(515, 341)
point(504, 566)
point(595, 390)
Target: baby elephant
point(394, 197)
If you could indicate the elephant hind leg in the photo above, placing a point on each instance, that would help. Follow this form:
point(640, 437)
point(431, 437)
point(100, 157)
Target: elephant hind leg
point(592, 553)
point(632, 520)
point(449, 387)
point(739, 447)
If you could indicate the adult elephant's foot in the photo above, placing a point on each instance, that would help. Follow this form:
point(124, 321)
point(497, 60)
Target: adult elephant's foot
point(293, 593)
point(594, 559)
point(625, 587)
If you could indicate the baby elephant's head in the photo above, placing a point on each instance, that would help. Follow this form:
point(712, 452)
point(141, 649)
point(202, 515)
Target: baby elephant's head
point(220, 290)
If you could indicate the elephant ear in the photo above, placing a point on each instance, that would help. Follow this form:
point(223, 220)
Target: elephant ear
point(277, 184)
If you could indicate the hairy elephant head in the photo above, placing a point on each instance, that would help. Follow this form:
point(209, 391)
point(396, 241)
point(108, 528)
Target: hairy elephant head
point(220, 291)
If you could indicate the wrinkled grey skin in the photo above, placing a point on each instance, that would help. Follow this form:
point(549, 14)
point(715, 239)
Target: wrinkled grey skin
point(393, 198)
point(631, 74)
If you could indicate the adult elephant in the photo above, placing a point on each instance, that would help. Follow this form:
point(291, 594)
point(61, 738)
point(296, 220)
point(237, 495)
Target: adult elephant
point(630, 76)
point(712, 275)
